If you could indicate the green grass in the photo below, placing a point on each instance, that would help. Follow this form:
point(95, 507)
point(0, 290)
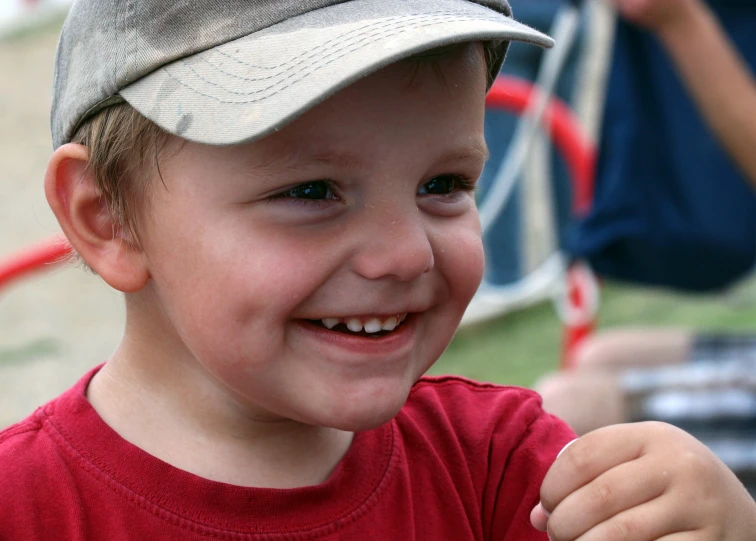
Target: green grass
point(31, 351)
point(519, 347)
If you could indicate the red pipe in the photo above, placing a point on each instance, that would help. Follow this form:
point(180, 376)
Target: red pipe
point(579, 153)
point(37, 257)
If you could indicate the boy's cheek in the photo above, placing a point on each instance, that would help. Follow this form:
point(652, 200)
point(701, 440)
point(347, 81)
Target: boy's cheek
point(477, 270)
point(467, 266)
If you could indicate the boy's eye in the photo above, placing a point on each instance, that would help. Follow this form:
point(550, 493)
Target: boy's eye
point(317, 190)
point(444, 185)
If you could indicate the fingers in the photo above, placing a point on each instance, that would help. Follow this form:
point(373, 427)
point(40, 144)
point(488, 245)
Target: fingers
point(686, 536)
point(539, 516)
point(623, 487)
point(641, 482)
point(589, 457)
point(657, 520)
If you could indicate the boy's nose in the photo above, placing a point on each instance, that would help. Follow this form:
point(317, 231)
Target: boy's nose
point(398, 248)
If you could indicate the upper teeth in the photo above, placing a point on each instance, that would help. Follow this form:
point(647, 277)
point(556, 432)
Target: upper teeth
point(372, 325)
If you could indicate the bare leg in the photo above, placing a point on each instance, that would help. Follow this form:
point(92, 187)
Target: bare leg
point(584, 400)
point(590, 396)
point(634, 348)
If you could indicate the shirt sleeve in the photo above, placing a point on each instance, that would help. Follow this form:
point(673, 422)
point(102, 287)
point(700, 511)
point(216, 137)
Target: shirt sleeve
point(516, 472)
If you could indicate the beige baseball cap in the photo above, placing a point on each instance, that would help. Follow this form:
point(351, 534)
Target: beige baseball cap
point(223, 72)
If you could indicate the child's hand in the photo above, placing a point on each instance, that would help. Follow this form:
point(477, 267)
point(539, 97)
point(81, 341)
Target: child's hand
point(643, 482)
point(655, 15)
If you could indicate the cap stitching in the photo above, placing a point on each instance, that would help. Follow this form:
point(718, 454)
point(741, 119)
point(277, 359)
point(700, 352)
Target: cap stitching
point(323, 61)
point(292, 79)
point(385, 22)
point(114, 67)
point(312, 52)
point(134, 49)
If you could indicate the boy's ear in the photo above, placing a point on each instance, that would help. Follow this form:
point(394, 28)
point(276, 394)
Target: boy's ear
point(83, 213)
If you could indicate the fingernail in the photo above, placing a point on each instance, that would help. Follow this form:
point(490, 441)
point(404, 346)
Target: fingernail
point(566, 446)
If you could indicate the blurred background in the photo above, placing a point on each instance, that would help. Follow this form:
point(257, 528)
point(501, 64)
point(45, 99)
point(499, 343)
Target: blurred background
point(56, 324)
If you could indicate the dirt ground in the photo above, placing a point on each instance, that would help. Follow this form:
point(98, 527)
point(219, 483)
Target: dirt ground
point(56, 325)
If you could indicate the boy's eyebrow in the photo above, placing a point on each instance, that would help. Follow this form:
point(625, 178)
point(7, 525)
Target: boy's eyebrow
point(477, 150)
point(296, 157)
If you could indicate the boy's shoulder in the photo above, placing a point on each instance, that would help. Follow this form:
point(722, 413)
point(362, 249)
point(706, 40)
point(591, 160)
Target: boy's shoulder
point(27, 442)
point(472, 411)
point(16, 442)
point(31, 464)
point(495, 440)
point(34, 451)
point(452, 383)
point(451, 392)
point(43, 470)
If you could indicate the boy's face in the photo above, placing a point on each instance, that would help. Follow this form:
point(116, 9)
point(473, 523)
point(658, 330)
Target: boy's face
point(360, 212)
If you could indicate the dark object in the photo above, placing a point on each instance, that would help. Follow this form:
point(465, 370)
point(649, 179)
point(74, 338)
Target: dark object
point(670, 208)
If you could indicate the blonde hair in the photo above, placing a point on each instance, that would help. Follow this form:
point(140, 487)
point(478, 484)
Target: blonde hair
point(124, 148)
point(491, 55)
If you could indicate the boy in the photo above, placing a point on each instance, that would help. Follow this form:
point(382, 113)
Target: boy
point(297, 243)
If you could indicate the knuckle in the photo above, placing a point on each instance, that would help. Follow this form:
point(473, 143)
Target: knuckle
point(692, 464)
point(601, 495)
point(622, 529)
point(661, 431)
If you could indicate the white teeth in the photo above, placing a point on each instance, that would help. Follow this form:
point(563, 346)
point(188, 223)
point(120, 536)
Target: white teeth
point(373, 326)
point(389, 325)
point(330, 322)
point(354, 324)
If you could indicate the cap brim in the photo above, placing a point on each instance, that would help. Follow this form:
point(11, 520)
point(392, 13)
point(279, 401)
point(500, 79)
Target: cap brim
point(247, 88)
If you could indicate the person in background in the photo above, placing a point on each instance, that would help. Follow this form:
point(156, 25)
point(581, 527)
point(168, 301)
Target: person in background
point(675, 374)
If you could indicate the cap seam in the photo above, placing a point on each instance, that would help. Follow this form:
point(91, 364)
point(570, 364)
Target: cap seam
point(185, 55)
point(132, 32)
point(114, 67)
point(307, 56)
point(296, 76)
point(327, 44)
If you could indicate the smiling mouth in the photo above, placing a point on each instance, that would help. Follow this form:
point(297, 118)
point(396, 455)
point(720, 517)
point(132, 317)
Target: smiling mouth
point(365, 327)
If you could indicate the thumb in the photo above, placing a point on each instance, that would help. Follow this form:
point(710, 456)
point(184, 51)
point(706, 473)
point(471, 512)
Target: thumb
point(539, 518)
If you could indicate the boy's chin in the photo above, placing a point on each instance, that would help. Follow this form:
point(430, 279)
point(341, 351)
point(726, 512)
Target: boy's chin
point(366, 414)
point(368, 422)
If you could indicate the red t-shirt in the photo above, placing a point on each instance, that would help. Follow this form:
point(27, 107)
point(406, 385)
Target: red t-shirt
point(461, 461)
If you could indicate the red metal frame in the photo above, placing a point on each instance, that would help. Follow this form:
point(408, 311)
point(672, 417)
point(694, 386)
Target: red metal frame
point(35, 258)
point(579, 153)
point(508, 93)
point(578, 309)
